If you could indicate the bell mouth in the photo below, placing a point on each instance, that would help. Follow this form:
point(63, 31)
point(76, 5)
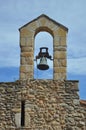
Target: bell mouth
point(42, 67)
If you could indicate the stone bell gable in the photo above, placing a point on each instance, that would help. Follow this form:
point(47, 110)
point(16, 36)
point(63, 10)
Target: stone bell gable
point(27, 37)
point(50, 104)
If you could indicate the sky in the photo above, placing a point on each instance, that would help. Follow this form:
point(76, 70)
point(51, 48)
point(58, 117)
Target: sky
point(70, 13)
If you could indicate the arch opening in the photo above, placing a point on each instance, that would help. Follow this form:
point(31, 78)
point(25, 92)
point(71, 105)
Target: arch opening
point(43, 39)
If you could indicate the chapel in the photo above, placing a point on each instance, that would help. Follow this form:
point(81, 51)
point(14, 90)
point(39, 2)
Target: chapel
point(42, 104)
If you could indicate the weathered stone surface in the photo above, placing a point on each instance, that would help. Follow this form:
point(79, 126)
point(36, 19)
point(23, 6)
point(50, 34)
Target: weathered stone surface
point(25, 32)
point(27, 54)
point(43, 104)
point(27, 38)
point(60, 69)
point(59, 76)
point(26, 49)
point(60, 55)
point(47, 105)
point(61, 32)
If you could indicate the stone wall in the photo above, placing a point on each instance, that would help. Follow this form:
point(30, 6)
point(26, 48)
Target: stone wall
point(83, 108)
point(49, 105)
point(41, 104)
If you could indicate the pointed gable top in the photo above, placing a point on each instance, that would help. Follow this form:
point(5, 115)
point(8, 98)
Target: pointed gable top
point(43, 15)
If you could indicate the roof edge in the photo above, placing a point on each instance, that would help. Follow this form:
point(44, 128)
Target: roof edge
point(83, 102)
point(43, 15)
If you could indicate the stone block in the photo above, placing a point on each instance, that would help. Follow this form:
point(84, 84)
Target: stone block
point(61, 32)
point(29, 68)
point(60, 63)
point(22, 75)
point(63, 62)
point(56, 41)
point(60, 48)
point(29, 75)
point(56, 32)
point(60, 55)
point(60, 69)
point(53, 26)
point(25, 32)
point(18, 119)
point(63, 41)
point(22, 41)
point(56, 63)
point(27, 119)
point(26, 41)
point(59, 76)
point(27, 54)
point(29, 61)
point(76, 102)
point(26, 49)
point(22, 61)
point(23, 69)
point(75, 86)
point(43, 21)
point(32, 26)
point(26, 72)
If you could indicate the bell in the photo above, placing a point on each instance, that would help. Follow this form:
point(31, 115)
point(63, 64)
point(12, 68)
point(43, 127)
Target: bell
point(43, 64)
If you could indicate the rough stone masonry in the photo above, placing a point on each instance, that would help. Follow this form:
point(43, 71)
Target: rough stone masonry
point(34, 104)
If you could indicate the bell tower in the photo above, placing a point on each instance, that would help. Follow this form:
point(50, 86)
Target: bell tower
point(29, 104)
point(27, 38)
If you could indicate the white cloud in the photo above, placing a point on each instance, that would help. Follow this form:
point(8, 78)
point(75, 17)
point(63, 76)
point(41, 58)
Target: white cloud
point(71, 13)
point(10, 57)
point(76, 50)
point(77, 66)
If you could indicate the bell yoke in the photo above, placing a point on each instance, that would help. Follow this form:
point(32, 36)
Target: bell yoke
point(43, 55)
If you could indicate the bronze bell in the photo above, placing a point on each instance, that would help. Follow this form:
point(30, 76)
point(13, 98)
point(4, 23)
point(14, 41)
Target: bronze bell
point(43, 55)
point(43, 64)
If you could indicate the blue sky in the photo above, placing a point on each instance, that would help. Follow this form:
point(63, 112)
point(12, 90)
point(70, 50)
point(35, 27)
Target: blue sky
point(70, 13)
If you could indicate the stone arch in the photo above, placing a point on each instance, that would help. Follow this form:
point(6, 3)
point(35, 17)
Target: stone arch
point(43, 39)
point(43, 28)
point(27, 37)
